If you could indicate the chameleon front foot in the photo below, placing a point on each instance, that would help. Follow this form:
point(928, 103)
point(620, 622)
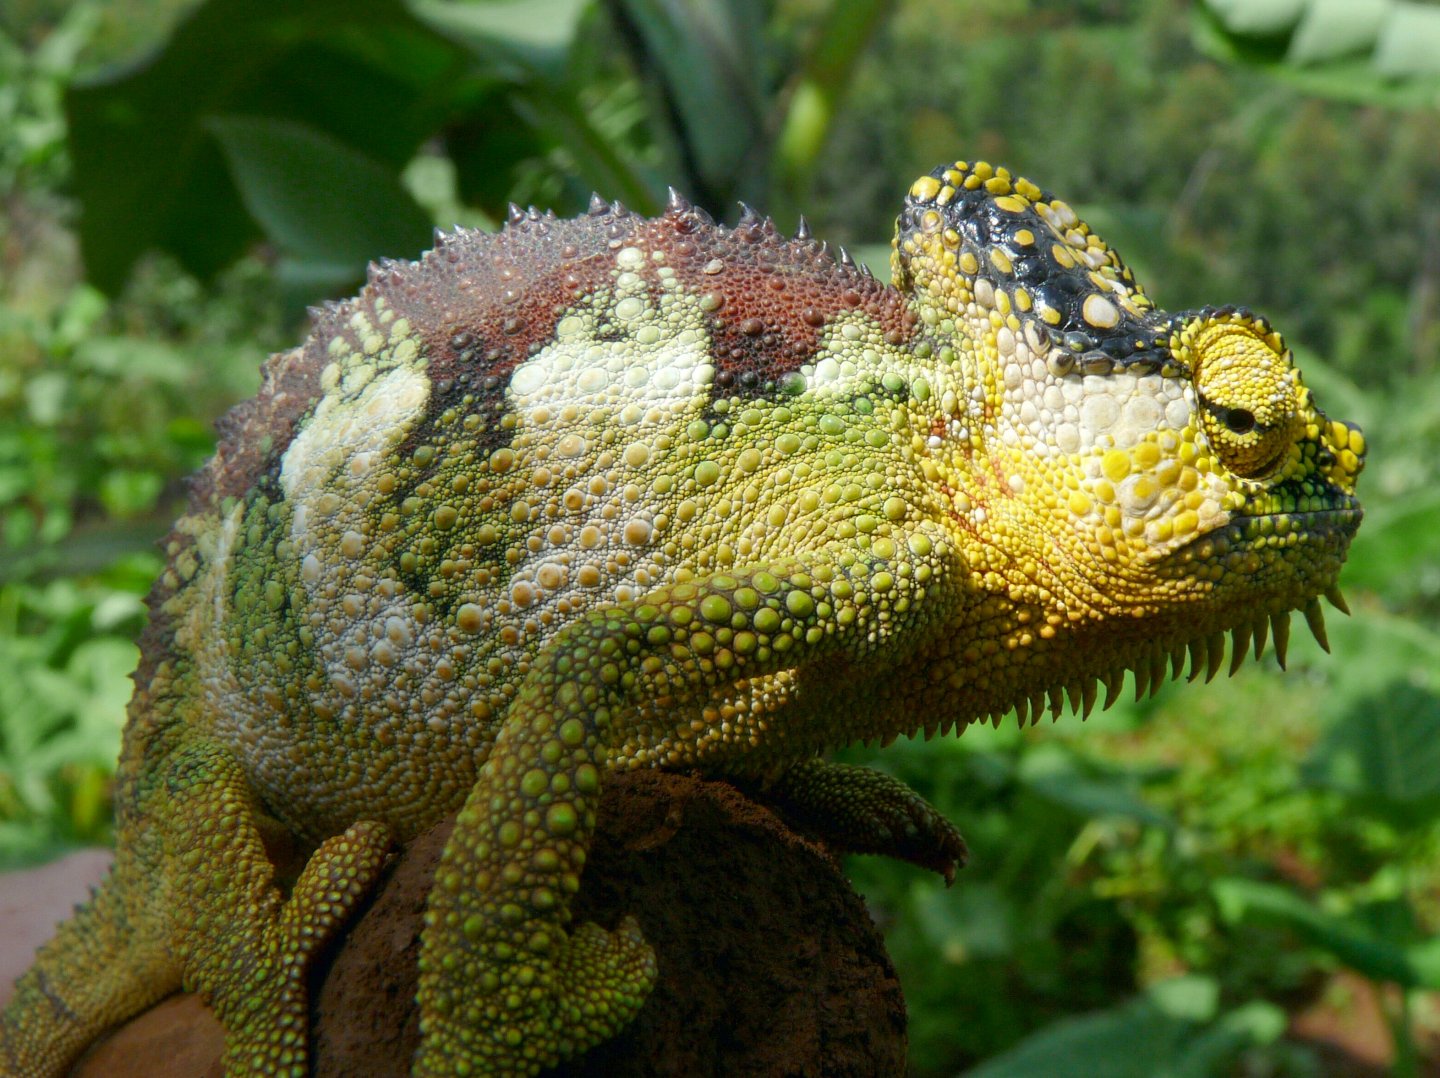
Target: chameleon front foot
point(523, 1018)
point(863, 810)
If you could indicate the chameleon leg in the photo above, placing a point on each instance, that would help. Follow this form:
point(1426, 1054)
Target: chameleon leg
point(240, 942)
point(867, 811)
point(504, 990)
point(105, 964)
point(191, 902)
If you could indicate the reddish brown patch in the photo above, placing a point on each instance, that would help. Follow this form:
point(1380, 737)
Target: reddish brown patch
point(484, 303)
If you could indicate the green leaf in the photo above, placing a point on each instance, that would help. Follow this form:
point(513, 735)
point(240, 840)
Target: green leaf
point(316, 199)
point(1335, 28)
point(1378, 650)
point(1387, 748)
point(1384, 52)
point(703, 64)
point(149, 173)
point(1257, 18)
point(1409, 42)
point(1171, 1031)
point(534, 35)
point(821, 85)
point(1425, 961)
point(1053, 772)
point(1347, 939)
point(1393, 553)
point(532, 61)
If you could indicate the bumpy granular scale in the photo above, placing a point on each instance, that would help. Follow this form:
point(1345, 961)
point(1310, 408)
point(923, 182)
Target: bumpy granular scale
point(613, 493)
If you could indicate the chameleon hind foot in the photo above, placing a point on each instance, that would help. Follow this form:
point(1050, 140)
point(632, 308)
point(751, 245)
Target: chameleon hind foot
point(260, 994)
point(518, 1019)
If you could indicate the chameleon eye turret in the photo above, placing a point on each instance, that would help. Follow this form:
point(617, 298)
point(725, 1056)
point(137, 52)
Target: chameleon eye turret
point(1250, 405)
point(618, 492)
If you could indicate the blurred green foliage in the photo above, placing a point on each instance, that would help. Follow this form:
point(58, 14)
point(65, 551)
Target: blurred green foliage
point(1160, 891)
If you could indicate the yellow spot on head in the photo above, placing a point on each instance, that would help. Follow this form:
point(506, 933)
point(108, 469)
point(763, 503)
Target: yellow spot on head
point(925, 189)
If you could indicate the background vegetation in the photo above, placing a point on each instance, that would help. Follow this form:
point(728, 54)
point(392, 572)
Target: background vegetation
point(1240, 879)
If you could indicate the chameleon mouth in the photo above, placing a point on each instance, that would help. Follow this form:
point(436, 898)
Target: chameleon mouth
point(1342, 519)
point(1328, 530)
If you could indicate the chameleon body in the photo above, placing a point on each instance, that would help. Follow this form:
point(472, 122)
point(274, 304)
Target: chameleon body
point(619, 492)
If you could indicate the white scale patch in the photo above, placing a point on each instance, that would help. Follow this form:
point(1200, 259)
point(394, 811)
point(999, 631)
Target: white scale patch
point(1087, 416)
point(1051, 415)
point(655, 377)
point(325, 476)
point(853, 353)
point(206, 606)
point(365, 415)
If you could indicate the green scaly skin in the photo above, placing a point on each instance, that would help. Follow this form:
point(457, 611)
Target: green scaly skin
point(615, 493)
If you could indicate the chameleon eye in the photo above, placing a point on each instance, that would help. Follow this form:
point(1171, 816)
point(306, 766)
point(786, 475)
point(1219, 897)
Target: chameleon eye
point(1249, 400)
point(1238, 420)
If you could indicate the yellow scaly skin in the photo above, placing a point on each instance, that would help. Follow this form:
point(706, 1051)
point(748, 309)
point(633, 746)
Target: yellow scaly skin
point(614, 493)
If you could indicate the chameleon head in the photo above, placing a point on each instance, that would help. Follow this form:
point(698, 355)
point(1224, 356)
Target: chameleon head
point(1147, 481)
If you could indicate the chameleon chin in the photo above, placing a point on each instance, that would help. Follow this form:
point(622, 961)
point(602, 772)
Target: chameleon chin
point(616, 492)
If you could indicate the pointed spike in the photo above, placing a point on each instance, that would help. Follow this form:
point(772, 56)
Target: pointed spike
point(676, 202)
point(748, 216)
point(995, 718)
point(1142, 679)
point(1260, 627)
point(845, 259)
point(1112, 682)
point(1315, 619)
point(1075, 695)
point(1240, 647)
point(1088, 693)
point(1199, 649)
point(1177, 662)
point(514, 214)
point(1037, 706)
point(1057, 701)
point(1280, 632)
point(439, 237)
point(1217, 656)
point(1022, 713)
point(1157, 670)
point(866, 273)
point(598, 206)
point(618, 209)
point(802, 230)
point(1337, 600)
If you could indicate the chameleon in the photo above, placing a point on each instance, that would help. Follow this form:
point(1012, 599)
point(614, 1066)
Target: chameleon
point(615, 492)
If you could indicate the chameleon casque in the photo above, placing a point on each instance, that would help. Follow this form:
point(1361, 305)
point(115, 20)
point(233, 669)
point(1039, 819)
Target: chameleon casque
point(619, 492)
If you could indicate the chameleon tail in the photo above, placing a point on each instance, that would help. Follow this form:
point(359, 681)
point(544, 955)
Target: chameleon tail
point(106, 963)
